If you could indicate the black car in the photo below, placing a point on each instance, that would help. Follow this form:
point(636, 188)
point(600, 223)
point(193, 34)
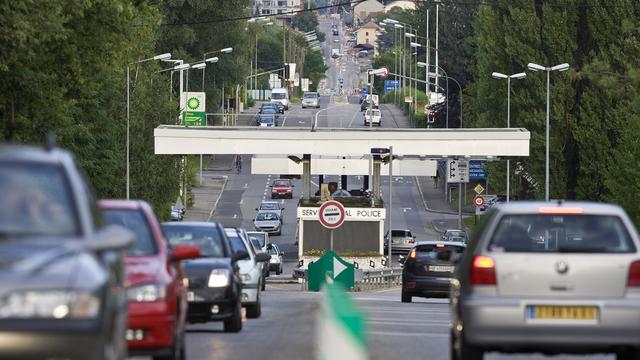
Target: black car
point(62, 291)
point(365, 104)
point(214, 284)
point(276, 106)
point(428, 269)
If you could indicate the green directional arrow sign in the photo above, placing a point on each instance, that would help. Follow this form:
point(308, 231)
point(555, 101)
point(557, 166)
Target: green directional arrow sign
point(340, 271)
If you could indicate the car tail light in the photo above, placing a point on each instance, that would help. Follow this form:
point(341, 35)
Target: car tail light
point(634, 274)
point(483, 271)
point(412, 254)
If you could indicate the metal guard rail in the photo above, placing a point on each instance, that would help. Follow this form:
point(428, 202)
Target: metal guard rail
point(378, 279)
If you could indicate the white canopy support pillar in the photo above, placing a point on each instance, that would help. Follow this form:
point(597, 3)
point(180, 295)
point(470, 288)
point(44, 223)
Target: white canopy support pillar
point(376, 177)
point(306, 176)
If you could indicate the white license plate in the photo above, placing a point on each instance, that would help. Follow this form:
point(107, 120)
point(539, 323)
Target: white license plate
point(191, 296)
point(440, 268)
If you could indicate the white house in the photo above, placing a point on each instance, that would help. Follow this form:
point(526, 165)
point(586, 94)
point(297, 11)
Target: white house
point(403, 4)
point(368, 34)
point(365, 10)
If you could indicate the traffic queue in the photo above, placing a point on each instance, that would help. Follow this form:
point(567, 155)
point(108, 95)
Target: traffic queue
point(88, 279)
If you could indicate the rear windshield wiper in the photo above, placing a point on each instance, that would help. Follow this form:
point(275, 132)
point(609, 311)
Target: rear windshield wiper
point(583, 249)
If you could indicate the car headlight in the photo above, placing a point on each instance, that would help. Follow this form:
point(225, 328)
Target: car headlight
point(146, 293)
point(49, 304)
point(246, 277)
point(219, 278)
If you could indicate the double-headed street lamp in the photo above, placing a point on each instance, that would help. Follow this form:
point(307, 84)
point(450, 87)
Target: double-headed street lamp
point(497, 75)
point(435, 75)
point(164, 56)
point(536, 67)
point(227, 50)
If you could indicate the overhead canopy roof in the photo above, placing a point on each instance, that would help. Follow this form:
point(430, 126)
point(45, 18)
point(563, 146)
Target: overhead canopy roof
point(474, 143)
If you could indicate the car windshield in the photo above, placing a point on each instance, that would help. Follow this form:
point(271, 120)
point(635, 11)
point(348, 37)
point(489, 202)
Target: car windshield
point(274, 250)
point(561, 233)
point(208, 238)
point(438, 251)
point(266, 120)
point(260, 237)
point(268, 110)
point(310, 96)
point(236, 243)
point(457, 233)
point(255, 242)
point(135, 221)
point(269, 206)
point(36, 200)
point(280, 183)
point(267, 216)
point(278, 96)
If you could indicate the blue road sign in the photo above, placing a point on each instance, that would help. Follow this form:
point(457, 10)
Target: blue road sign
point(364, 91)
point(389, 85)
point(333, 90)
point(476, 170)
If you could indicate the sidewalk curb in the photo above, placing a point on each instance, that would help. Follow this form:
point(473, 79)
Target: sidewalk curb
point(282, 281)
point(215, 205)
point(424, 202)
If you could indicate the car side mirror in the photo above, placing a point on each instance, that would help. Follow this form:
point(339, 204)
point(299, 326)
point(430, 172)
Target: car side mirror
point(401, 259)
point(262, 257)
point(185, 252)
point(239, 255)
point(281, 253)
point(256, 209)
point(269, 246)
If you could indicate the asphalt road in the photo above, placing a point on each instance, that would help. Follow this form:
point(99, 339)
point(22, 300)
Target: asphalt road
point(287, 328)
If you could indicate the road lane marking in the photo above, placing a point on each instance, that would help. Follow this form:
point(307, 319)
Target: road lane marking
point(246, 186)
point(399, 334)
point(353, 118)
point(235, 216)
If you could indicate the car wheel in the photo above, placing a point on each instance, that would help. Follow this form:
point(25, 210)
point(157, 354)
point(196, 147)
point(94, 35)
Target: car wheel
point(461, 350)
point(234, 324)
point(178, 350)
point(254, 310)
point(628, 354)
point(264, 285)
point(279, 270)
point(406, 297)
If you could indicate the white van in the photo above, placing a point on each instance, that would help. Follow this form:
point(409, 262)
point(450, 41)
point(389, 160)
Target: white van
point(280, 95)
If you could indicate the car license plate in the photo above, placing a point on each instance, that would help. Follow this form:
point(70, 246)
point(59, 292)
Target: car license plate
point(549, 312)
point(191, 296)
point(440, 268)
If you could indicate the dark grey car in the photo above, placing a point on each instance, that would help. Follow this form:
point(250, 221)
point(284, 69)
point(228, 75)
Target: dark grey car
point(62, 289)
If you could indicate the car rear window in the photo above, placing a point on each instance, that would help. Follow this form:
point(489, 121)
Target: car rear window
point(269, 206)
point(438, 251)
point(135, 221)
point(36, 200)
point(400, 233)
point(310, 95)
point(260, 237)
point(278, 96)
point(569, 233)
point(208, 238)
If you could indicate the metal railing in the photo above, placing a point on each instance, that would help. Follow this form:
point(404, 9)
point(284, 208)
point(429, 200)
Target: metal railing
point(378, 279)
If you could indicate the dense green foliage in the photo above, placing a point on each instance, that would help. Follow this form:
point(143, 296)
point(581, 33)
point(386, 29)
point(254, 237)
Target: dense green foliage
point(63, 68)
point(595, 106)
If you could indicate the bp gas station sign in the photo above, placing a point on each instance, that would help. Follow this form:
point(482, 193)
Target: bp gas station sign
point(194, 113)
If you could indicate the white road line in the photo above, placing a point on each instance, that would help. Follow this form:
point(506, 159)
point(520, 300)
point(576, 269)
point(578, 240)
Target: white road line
point(283, 121)
point(420, 334)
point(235, 216)
point(353, 118)
point(319, 185)
point(242, 200)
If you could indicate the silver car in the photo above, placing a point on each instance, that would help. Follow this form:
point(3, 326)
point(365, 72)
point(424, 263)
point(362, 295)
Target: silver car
point(268, 221)
point(401, 240)
point(310, 99)
point(558, 277)
point(275, 264)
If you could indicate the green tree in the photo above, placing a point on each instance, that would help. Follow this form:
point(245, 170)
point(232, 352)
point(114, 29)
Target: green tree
point(305, 21)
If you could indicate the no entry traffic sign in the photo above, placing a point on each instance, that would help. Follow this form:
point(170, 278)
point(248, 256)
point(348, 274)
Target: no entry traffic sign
point(478, 201)
point(331, 214)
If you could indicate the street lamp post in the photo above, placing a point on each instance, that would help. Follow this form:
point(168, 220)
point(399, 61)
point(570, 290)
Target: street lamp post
point(536, 67)
point(429, 74)
point(497, 75)
point(227, 50)
point(157, 57)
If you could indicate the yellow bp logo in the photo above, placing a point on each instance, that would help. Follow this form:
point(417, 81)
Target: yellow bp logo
point(193, 103)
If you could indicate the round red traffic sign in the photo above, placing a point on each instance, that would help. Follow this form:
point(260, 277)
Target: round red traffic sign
point(478, 201)
point(331, 214)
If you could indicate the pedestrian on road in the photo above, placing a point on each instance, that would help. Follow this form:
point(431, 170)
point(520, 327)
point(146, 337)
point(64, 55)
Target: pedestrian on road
point(238, 163)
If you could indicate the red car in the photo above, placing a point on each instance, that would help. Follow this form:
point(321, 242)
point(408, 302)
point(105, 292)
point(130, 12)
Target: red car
point(282, 188)
point(155, 291)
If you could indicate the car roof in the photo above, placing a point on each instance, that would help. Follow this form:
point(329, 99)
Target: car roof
point(433, 242)
point(34, 153)
point(190, 223)
point(586, 207)
point(121, 204)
